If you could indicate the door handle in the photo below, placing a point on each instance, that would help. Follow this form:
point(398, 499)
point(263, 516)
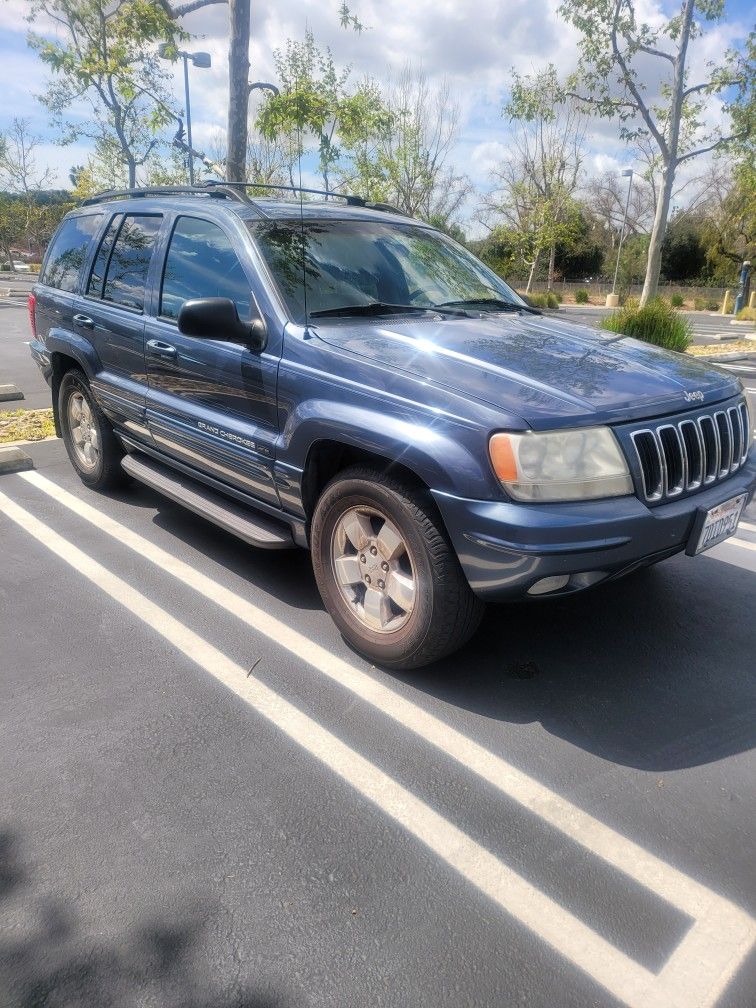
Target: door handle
point(159, 349)
point(84, 320)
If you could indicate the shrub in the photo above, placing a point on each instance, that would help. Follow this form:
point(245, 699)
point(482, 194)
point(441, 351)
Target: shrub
point(559, 296)
point(746, 315)
point(545, 300)
point(700, 303)
point(712, 305)
point(677, 300)
point(656, 322)
point(582, 297)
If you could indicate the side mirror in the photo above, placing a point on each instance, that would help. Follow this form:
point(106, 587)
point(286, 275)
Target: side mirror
point(218, 319)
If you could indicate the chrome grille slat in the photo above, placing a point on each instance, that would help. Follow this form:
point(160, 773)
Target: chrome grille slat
point(745, 427)
point(733, 415)
point(681, 456)
point(725, 440)
point(694, 451)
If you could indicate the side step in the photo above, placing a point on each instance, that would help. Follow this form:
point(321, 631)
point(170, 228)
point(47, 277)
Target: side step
point(256, 529)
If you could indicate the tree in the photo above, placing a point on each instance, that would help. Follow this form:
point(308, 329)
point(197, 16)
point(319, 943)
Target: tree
point(537, 181)
point(615, 47)
point(405, 160)
point(28, 214)
point(106, 55)
point(728, 224)
point(316, 101)
point(238, 89)
point(683, 256)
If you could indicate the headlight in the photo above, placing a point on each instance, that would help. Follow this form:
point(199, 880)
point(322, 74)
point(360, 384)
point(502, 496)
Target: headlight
point(560, 465)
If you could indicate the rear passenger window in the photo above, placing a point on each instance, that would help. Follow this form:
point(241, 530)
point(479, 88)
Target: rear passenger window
point(129, 261)
point(201, 262)
point(68, 251)
point(97, 276)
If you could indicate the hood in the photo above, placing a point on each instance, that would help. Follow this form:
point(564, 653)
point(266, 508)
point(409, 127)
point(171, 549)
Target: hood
point(550, 373)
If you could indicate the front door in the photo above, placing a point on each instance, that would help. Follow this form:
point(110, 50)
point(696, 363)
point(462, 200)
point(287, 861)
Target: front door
point(211, 404)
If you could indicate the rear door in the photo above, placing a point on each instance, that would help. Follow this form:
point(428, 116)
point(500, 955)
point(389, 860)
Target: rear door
point(56, 293)
point(211, 404)
point(112, 316)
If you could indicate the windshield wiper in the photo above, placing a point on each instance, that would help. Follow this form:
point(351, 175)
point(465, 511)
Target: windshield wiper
point(489, 304)
point(371, 308)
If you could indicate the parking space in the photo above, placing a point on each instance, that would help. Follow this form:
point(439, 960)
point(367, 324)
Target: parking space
point(208, 799)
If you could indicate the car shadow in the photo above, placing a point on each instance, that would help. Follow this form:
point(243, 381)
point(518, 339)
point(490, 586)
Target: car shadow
point(50, 954)
point(654, 671)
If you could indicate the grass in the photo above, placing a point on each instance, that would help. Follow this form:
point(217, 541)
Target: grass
point(746, 315)
point(656, 322)
point(26, 425)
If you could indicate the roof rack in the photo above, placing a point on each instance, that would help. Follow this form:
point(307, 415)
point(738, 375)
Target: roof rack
point(235, 191)
point(351, 200)
point(218, 191)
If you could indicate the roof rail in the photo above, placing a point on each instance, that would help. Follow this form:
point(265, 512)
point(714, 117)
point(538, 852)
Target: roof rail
point(235, 191)
point(351, 200)
point(220, 191)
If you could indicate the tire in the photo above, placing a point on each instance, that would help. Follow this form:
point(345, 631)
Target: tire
point(436, 612)
point(92, 447)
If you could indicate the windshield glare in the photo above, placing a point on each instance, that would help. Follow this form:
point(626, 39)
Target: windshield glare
point(354, 262)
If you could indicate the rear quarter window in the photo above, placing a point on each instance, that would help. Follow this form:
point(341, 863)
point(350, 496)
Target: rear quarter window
point(68, 252)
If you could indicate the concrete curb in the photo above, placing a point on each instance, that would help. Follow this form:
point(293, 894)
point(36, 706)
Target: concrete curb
point(24, 441)
point(13, 460)
point(733, 355)
point(10, 393)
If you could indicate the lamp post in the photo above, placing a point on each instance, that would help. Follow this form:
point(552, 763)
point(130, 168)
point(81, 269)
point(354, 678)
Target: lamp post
point(198, 59)
point(263, 86)
point(628, 174)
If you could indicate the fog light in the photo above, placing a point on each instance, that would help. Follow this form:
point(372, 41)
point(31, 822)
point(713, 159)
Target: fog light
point(549, 584)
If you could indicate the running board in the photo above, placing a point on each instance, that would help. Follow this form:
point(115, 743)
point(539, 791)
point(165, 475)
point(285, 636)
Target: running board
point(256, 529)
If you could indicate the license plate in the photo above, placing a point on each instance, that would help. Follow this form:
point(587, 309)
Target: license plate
point(715, 525)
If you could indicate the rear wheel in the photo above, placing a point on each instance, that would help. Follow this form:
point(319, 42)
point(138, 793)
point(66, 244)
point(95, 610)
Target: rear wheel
point(92, 447)
point(387, 572)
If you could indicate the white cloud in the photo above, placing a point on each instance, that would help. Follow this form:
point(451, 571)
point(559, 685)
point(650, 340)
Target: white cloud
point(475, 46)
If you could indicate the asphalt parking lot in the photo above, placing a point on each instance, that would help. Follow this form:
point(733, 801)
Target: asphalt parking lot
point(208, 800)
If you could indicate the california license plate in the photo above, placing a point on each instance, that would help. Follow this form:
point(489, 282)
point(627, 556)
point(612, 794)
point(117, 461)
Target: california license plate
point(715, 525)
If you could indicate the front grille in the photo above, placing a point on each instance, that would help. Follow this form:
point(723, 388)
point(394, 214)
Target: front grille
point(682, 456)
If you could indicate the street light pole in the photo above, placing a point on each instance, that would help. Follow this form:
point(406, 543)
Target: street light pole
point(199, 59)
point(187, 106)
point(628, 173)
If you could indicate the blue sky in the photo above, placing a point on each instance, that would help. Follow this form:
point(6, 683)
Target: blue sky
point(474, 51)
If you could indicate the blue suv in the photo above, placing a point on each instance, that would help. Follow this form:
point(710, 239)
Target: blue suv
point(337, 376)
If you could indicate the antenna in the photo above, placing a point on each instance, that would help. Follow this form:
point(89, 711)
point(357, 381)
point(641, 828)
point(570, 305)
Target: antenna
point(302, 230)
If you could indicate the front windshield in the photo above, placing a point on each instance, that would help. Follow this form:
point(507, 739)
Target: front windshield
point(351, 263)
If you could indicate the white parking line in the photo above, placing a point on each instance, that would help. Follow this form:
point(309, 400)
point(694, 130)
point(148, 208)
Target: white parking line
point(748, 526)
point(701, 965)
point(739, 542)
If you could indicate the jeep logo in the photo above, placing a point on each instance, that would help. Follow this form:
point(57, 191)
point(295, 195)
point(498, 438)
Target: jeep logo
point(696, 396)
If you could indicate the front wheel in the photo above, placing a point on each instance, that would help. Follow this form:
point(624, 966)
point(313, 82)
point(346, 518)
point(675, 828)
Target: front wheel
point(387, 573)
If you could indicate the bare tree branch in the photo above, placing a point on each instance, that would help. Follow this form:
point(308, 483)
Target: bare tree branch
point(717, 145)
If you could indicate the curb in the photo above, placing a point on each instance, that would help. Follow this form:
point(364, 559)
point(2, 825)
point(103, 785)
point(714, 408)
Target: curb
point(10, 393)
point(24, 441)
point(13, 460)
point(733, 355)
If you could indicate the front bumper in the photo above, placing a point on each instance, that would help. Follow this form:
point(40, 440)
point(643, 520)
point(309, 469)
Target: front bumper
point(506, 548)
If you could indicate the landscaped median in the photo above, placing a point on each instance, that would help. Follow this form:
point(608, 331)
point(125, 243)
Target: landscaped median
point(741, 346)
point(26, 425)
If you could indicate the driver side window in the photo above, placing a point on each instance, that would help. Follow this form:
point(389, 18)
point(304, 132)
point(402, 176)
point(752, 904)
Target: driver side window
point(201, 262)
